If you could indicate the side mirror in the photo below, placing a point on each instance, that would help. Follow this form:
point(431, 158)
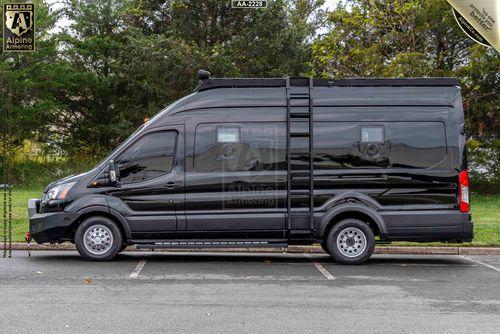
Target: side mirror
point(112, 172)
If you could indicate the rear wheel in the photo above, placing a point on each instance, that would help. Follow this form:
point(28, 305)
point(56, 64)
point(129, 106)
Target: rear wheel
point(98, 239)
point(351, 241)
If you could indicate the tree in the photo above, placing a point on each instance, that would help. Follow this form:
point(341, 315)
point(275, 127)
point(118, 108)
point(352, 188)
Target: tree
point(30, 80)
point(396, 38)
point(419, 38)
point(127, 60)
point(237, 42)
point(117, 76)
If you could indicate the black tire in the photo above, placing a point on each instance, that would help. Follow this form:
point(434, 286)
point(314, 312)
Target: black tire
point(122, 248)
point(358, 245)
point(324, 245)
point(108, 227)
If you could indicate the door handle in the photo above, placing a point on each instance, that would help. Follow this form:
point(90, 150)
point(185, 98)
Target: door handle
point(171, 185)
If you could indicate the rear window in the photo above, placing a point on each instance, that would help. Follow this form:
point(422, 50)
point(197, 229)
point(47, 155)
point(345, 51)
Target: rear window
point(380, 145)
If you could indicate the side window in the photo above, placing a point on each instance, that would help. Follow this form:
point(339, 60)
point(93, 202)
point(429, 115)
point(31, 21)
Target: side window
point(392, 144)
point(230, 147)
point(149, 157)
point(417, 144)
point(336, 145)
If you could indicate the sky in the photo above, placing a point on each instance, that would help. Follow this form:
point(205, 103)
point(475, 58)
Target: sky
point(331, 4)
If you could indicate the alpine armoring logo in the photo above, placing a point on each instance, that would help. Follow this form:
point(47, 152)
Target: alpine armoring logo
point(19, 27)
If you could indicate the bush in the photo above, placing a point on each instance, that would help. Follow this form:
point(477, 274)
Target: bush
point(484, 165)
point(36, 174)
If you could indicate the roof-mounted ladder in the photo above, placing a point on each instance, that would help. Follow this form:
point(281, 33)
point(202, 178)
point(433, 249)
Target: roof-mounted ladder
point(300, 185)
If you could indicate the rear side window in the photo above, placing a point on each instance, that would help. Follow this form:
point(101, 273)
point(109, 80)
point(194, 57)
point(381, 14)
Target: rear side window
point(417, 144)
point(149, 157)
point(230, 147)
point(384, 145)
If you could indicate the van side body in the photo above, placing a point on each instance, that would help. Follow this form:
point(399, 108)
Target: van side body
point(384, 153)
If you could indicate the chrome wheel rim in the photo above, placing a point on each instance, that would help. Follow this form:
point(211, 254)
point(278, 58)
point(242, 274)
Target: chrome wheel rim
point(98, 239)
point(351, 242)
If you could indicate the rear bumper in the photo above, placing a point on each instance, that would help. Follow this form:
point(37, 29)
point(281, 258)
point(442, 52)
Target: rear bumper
point(468, 231)
point(48, 227)
point(432, 225)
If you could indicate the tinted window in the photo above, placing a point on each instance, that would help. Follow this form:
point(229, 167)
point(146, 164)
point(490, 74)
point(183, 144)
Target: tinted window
point(336, 145)
point(417, 144)
point(240, 147)
point(149, 157)
point(390, 144)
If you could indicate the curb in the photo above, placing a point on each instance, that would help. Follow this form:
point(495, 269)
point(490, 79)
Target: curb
point(293, 249)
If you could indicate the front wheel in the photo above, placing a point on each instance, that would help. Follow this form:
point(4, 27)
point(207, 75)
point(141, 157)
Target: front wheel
point(98, 239)
point(324, 245)
point(351, 241)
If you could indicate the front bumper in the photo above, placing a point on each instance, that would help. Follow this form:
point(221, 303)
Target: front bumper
point(49, 227)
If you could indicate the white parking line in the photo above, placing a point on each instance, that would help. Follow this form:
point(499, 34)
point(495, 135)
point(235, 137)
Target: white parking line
point(320, 267)
point(137, 270)
point(323, 270)
point(481, 263)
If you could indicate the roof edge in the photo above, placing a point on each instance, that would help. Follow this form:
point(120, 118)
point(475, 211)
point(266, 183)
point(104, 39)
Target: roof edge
point(213, 83)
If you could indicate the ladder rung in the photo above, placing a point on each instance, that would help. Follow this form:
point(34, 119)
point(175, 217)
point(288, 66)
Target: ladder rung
point(299, 114)
point(300, 134)
point(298, 152)
point(300, 192)
point(300, 173)
point(299, 180)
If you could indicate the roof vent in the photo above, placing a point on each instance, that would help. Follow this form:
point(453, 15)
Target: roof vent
point(203, 75)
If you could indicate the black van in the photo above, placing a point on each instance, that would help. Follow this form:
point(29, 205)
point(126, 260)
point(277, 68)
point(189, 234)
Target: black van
point(274, 162)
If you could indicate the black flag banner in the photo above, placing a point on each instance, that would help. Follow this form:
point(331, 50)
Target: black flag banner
point(479, 20)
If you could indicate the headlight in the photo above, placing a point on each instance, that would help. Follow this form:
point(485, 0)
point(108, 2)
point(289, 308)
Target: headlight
point(60, 191)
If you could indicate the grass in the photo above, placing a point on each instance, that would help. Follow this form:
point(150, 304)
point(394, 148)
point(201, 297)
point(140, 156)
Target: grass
point(486, 218)
point(485, 214)
point(20, 212)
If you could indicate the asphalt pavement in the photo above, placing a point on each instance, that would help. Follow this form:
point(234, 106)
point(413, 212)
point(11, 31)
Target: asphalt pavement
point(158, 292)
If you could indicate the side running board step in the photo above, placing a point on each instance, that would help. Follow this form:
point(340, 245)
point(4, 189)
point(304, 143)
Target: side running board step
point(212, 244)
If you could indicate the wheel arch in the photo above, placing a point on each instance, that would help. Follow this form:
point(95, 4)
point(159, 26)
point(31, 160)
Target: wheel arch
point(357, 211)
point(97, 210)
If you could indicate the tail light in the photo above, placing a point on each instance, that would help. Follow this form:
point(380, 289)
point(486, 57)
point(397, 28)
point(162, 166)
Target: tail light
point(463, 191)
